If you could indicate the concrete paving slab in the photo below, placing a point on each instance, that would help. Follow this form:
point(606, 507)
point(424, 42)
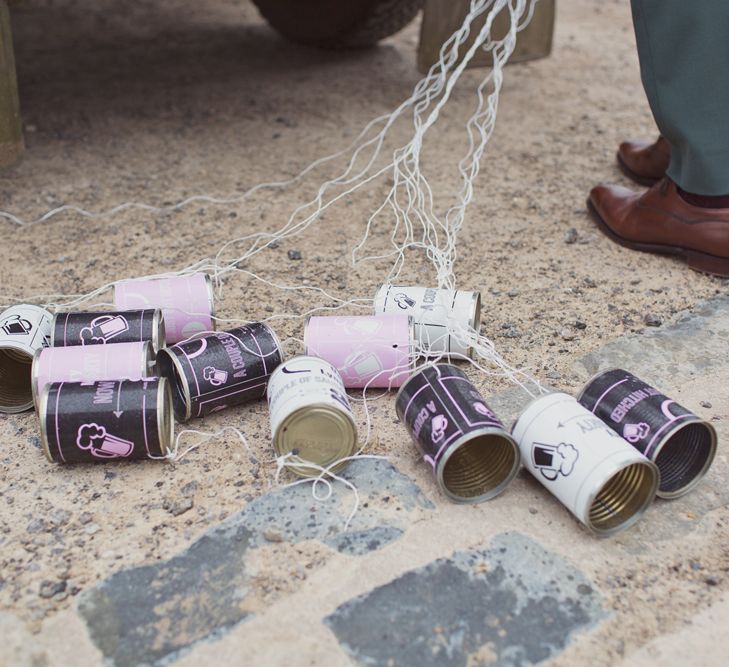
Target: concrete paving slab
point(513, 604)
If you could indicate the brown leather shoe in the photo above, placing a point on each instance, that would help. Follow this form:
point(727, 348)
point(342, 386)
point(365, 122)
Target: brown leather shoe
point(644, 162)
point(659, 220)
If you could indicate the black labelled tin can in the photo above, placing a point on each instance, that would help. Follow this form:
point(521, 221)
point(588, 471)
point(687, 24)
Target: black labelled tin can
point(220, 370)
point(108, 420)
point(97, 328)
point(473, 457)
point(679, 442)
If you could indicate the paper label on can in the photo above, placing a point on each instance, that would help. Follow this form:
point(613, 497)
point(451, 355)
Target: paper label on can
point(185, 302)
point(301, 382)
point(103, 421)
point(439, 405)
point(632, 408)
point(437, 313)
point(86, 364)
point(228, 368)
point(367, 351)
point(25, 328)
point(99, 328)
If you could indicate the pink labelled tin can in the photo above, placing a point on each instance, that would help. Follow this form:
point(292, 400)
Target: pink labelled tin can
point(187, 302)
point(24, 329)
point(367, 351)
point(122, 361)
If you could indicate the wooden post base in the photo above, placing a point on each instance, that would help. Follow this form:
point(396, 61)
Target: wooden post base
point(442, 18)
point(11, 131)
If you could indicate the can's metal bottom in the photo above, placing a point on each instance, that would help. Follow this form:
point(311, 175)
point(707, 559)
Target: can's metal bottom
point(685, 457)
point(317, 434)
point(478, 467)
point(623, 498)
point(16, 394)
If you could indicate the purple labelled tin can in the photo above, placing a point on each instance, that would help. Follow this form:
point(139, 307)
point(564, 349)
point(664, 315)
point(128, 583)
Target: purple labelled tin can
point(187, 302)
point(367, 351)
point(108, 420)
point(220, 370)
point(24, 329)
point(679, 442)
point(132, 361)
point(97, 328)
point(473, 457)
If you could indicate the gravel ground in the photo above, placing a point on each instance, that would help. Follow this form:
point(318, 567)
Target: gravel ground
point(157, 101)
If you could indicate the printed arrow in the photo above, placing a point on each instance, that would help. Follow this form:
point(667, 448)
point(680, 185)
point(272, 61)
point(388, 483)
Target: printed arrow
point(567, 421)
point(119, 412)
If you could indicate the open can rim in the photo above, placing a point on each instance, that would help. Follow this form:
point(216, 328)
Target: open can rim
point(465, 439)
point(179, 378)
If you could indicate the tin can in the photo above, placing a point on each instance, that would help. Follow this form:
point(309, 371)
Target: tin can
point(88, 422)
point(679, 442)
point(473, 457)
point(438, 315)
point(24, 329)
point(310, 414)
point(598, 476)
point(367, 351)
point(132, 361)
point(129, 326)
point(220, 370)
point(187, 302)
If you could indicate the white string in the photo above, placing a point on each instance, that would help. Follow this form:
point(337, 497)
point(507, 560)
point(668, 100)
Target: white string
point(290, 460)
point(173, 454)
point(410, 201)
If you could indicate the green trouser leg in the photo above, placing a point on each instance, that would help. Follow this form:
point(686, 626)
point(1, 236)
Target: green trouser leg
point(683, 46)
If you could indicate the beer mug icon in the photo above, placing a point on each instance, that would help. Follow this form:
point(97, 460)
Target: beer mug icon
point(635, 432)
point(404, 301)
point(554, 460)
point(103, 329)
point(362, 366)
point(16, 326)
point(214, 376)
point(101, 443)
point(438, 428)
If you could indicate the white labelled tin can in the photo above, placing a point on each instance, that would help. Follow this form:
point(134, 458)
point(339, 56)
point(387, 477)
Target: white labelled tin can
point(604, 481)
point(24, 329)
point(437, 314)
point(310, 414)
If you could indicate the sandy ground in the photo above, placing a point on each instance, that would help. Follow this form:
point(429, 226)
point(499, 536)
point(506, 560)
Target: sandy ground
point(158, 101)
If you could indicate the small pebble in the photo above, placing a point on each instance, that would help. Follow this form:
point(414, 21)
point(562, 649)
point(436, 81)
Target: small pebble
point(579, 324)
point(272, 536)
point(705, 404)
point(50, 588)
point(567, 334)
point(85, 517)
point(180, 506)
point(294, 254)
point(711, 581)
point(652, 320)
point(512, 293)
point(532, 510)
point(92, 528)
point(589, 282)
point(570, 236)
point(273, 245)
